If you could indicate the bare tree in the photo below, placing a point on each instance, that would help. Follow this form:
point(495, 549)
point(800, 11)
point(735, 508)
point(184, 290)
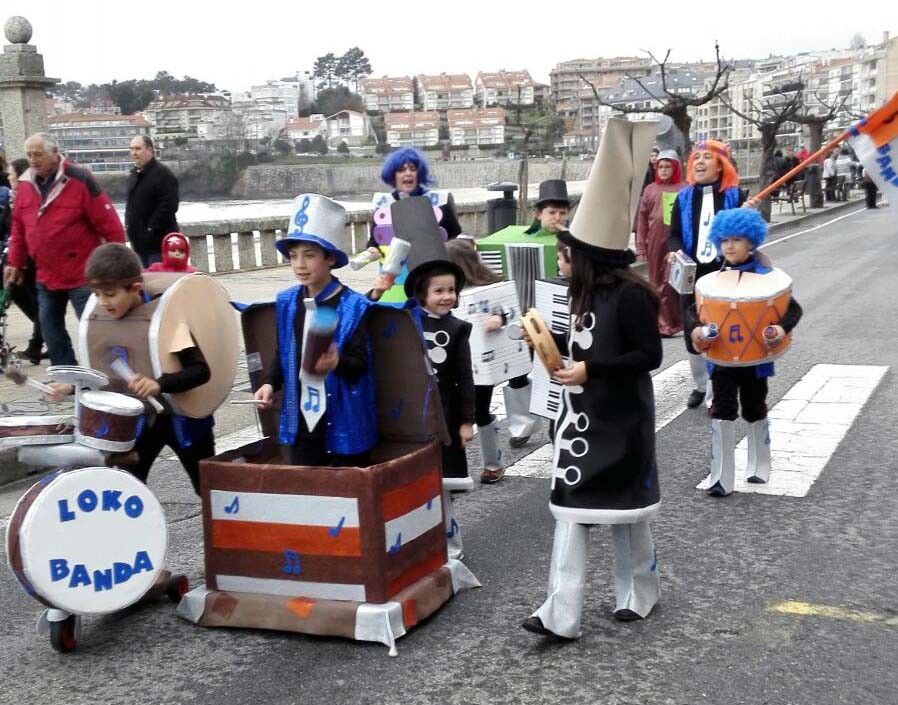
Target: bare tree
point(815, 122)
point(768, 116)
point(673, 104)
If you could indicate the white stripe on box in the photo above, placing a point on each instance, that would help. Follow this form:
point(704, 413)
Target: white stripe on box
point(808, 424)
point(413, 524)
point(306, 510)
point(291, 588)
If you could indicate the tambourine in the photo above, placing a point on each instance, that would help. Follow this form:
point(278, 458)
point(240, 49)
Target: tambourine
point(542, 340)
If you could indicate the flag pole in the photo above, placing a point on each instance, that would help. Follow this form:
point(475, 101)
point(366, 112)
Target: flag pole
point(801, 167)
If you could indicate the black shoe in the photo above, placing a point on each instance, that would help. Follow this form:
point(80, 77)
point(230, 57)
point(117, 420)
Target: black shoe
point(626, 615)
point(718, 491)
point(695, 398)
point(519, 442)
point(535, 625)
point(33, 354)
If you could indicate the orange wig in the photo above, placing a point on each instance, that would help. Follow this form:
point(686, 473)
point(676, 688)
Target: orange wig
point(721, 150)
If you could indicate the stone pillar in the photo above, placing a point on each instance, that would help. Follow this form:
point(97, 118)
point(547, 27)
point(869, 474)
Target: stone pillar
point(23, 87)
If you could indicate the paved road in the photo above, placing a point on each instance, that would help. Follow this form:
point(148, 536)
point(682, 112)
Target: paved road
point(766, 599)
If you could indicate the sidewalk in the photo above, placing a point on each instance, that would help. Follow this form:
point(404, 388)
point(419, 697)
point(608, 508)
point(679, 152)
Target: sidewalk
point(244, 287)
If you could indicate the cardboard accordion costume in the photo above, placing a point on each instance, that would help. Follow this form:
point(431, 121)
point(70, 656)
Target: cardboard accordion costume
point(356, 552)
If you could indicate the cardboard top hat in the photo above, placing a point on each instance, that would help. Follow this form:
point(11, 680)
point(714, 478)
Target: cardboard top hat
point(601, 226)
point(553, 191)
point(319, 220)
point(414, 221)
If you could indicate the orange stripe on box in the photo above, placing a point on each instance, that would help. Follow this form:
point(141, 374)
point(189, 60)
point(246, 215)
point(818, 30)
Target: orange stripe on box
point(301, 606)
point(259, 536)
point(410, 613)
point(411, 496)
point(433, 562)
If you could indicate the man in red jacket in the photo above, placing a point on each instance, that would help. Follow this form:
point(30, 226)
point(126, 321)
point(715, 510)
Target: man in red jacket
point(61, 215)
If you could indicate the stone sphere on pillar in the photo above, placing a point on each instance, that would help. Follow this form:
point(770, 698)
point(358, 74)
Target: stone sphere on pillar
point(17, 30)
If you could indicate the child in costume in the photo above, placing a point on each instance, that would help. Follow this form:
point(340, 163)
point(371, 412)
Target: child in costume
point(476, 274)
point(434, 283)
point(327, 413)
point(652, 230)
point(737, 234)
point(713, 187)
point(175, 255)
point(604, 467)
point(552, 210)
point(115, 275)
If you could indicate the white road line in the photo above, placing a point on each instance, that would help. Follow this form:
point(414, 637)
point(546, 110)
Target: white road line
point(808, 424)
point(672, 385)
point(810, 230)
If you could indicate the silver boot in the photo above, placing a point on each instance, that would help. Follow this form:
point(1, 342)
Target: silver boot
point(490, 457)
point(636, 584)
point(721, 480)
point(454, 545)
point(759, 451)
point(521, 425)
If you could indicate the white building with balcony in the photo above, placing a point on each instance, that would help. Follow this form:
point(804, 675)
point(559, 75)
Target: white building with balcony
point(97, 141)
point(445, 91)
point(307, 128)
point(348, 126)
point(504, 88)
point(412, 129)
point(388, 94)
point(187, 116)
point(479, 127)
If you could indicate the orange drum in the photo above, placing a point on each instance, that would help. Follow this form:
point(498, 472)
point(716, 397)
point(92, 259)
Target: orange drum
point(543, 342)
point(742, 305)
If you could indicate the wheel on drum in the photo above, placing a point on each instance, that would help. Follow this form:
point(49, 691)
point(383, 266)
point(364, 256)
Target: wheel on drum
point(178, 586)
point(62, 634)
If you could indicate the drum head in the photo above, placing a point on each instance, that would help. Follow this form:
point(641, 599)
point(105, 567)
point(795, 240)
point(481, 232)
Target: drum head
point(732, 285)
point(79, 376)
point(112, 403)
point(93, 541)
point(197, 307)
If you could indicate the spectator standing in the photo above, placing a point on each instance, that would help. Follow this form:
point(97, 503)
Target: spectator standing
point(152, 202)
point(61, 215)
point(829, 176)
point(24, 294)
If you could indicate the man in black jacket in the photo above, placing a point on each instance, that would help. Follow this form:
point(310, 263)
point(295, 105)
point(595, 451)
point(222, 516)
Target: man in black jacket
point(152, 202)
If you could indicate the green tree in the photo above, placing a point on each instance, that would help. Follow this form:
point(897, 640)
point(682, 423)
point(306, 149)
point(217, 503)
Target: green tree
point(319, 144)
point(325, 70)
point(343, 148)
point(305, 146)
point(283, 147)
point(353, 66)
point(333, 100)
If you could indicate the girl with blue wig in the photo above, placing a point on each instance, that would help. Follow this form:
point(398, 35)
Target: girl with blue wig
point(406, 173)
point(737, 234)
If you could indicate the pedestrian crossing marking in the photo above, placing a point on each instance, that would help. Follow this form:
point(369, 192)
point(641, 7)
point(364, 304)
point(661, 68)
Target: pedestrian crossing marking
point(808, 424)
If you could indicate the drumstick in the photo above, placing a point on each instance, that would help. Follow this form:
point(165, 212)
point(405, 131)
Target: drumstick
point(123, 370)
point(246, 401)
point(20, 378)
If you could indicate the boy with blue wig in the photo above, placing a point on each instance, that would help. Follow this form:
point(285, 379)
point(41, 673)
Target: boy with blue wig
point(328, 409)
point(737, 234)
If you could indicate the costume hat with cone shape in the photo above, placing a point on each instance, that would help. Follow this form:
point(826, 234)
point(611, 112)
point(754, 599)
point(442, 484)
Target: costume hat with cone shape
point(553, 191)
point(414, 221)
point(319, 220)
point(602, 223)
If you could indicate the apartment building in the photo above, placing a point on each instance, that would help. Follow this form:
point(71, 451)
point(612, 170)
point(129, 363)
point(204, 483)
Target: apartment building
point(445, 91)
point(476, 127)
point(412, 129)
point(99, 142)
point(504, 88)
point(187, 116)
point(388, 94)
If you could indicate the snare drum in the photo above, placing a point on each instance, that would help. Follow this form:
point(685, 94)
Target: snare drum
point(543, 342)
point(108, 421)
point(36, 430)
point(88, 541)
point(743, 304)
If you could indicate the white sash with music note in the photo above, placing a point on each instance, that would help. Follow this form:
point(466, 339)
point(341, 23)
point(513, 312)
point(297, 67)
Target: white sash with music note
point(313, 403)
point(705, 251)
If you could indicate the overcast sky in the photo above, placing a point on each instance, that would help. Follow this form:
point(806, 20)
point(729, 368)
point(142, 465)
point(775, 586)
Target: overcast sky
point(235, 45)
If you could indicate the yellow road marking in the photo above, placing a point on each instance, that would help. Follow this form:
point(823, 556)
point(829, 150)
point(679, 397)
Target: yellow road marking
point(806, 609)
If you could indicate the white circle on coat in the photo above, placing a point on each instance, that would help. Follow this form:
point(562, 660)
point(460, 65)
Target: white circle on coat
point(577, 447)
point(580, 421)
point(440, 339)
point(582, 335)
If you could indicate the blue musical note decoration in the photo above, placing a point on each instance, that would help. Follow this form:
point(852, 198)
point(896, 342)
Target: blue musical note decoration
point(292, 565)
point(314, 401)
point(453, 529)
point(334, 531)
point(396, 546)
point(233, 507)
point(736, 333)
point(103, 431)
point(708, 249)
point(396, 411)
point(301, 219)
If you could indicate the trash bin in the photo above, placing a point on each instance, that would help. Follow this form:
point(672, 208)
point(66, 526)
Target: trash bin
point(501, 212)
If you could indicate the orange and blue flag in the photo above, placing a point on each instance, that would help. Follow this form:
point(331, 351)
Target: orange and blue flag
point(875, 141)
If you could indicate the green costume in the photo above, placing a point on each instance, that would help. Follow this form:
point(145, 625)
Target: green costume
point(522, 253)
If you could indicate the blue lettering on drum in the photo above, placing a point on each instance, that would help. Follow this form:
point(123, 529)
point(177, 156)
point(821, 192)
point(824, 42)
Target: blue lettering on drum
point(108, 501)
point(101, 579)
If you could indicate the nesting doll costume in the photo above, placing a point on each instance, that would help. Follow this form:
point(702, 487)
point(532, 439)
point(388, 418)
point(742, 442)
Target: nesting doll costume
point(324, 420)
point(604, 468)
point(175, 255)
point(690, 226)
point(448, 349)
point(734, 380)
